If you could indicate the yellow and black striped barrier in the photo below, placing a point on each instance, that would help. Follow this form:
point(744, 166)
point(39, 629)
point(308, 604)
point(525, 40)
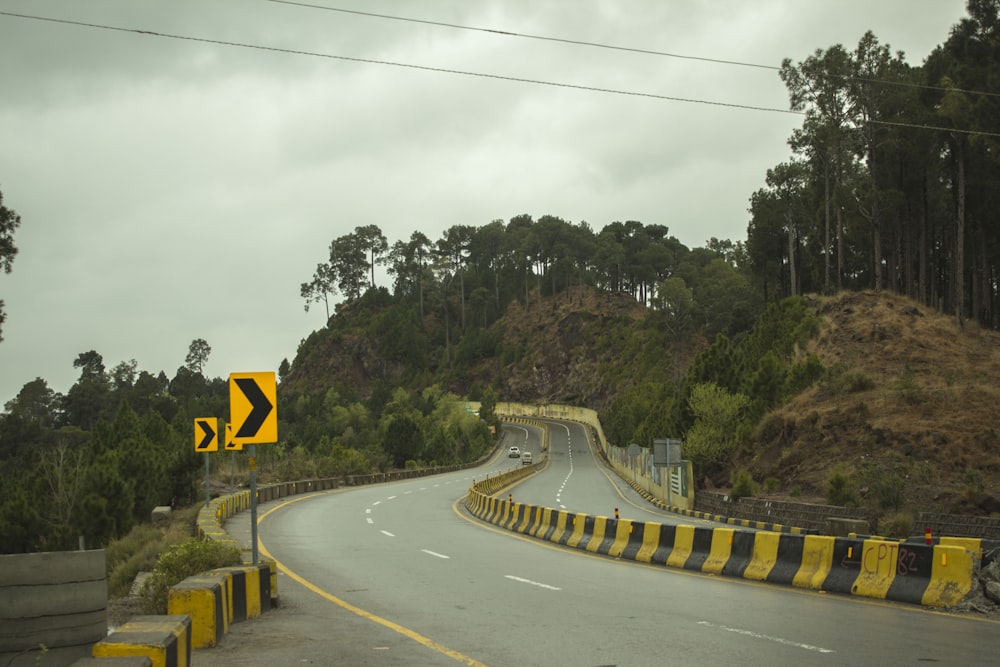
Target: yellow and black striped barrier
point(206, 599)
point(936, 575)
point(165, 640)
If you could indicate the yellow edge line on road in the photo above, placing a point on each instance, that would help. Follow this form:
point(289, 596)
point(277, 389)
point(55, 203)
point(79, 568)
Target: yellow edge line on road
point(395, 627)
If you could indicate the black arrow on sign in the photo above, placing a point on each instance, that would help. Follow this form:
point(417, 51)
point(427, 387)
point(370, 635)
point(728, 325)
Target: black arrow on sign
point(209, 432)
point(261, 408)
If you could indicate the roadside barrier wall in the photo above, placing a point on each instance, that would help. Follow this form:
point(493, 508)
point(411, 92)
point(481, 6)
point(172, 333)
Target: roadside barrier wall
point(936, 575)
point(57, 600)
point(165, 640)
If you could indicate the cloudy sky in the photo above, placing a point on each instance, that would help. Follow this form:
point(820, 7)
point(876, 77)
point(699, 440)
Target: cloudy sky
point(183, 184)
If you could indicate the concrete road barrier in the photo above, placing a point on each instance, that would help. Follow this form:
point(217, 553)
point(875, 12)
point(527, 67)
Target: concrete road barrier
point(205, 598)
point(938, 575)
point(165, 640)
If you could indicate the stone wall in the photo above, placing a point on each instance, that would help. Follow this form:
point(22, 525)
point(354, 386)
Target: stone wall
point(802, 515)
point(955, 525)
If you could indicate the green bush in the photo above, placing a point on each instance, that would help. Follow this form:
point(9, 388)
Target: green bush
point(743, 486)
point(795, 491)
point(840, 380)
point(193, 556)
point(805, 373)
point(839, 490)
point(897, 526)
point(885, 485)
point(771, 484)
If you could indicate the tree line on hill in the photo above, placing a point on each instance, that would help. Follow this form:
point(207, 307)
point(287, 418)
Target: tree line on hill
point(94, 462)
point(890, 185)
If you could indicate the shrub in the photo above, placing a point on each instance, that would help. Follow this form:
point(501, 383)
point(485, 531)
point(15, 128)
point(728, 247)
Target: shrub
point(885, 485)
point(908, 389)
point(897, 525)
point(771, 484)
point(139, 550)
point(795, 491)
point(974, 481)
point(805, 373)
point(923, 471)
point(841, 381)
point(839, 490)
point(193, 556)
point(743, 486)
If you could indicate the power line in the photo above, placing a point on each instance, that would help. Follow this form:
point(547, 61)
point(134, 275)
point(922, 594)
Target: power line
point(428, 68)
point(599, 45)
point(500, 77)
point(544, 38)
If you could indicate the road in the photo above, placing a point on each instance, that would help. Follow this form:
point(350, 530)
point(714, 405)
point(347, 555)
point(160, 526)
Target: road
point(399, 574)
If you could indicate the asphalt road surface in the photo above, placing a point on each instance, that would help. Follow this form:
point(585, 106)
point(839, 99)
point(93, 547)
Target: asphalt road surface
point(400, 574)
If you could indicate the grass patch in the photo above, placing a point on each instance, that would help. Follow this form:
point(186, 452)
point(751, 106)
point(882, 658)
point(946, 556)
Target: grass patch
point(139, 550)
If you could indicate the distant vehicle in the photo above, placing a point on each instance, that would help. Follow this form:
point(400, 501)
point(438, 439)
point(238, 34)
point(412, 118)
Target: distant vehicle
point(526, 458)
point(514, 452)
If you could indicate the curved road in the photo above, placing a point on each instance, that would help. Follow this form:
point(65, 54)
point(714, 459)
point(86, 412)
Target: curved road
point(399, 574)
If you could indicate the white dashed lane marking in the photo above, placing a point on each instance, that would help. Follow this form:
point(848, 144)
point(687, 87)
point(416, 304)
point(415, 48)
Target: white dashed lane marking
point(532, 583)
point(776, 640)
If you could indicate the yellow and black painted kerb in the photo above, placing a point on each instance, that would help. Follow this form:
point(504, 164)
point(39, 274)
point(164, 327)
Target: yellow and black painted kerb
point(788, 559)
point(165, 640)
point(636, 539)
point(250, 591)
point(204, 598)
point(936, 575)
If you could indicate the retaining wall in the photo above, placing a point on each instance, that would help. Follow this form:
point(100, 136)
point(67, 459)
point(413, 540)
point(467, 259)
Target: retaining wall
point(987, 528)
point(813, 518)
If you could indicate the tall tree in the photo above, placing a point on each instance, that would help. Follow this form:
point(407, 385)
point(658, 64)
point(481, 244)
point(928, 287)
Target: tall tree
point(407, 262)
point(486, 254)
point(371, 238)
point(874, 97)
point(819, 87)
point(349, 263)
point(9, 222)
point(787, 180)
point(453, 248)
point(197, 355)
point(322, 287)
point(89, 399)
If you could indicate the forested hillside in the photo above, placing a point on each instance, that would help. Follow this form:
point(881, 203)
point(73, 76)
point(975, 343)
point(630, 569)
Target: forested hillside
point(874, 388)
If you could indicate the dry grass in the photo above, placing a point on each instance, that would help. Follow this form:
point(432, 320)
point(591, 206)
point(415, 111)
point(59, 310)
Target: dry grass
point(910, 401)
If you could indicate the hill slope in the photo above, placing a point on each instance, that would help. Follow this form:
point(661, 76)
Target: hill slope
point(907, 412)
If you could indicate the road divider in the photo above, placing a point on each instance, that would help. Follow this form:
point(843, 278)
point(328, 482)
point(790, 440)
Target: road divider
point(935, 575)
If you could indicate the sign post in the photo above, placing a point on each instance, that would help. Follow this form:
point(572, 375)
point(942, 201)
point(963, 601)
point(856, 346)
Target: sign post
point(232, 448)
point(253, 414)
point(665, 449)
point(206, 439)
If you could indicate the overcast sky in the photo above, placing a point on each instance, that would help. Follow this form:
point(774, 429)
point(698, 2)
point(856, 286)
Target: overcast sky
point(173, 189)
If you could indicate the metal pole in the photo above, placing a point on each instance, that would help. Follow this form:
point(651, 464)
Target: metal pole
point(670, 477)
point(232, 472)
point(206, 480)
point(253, 501)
